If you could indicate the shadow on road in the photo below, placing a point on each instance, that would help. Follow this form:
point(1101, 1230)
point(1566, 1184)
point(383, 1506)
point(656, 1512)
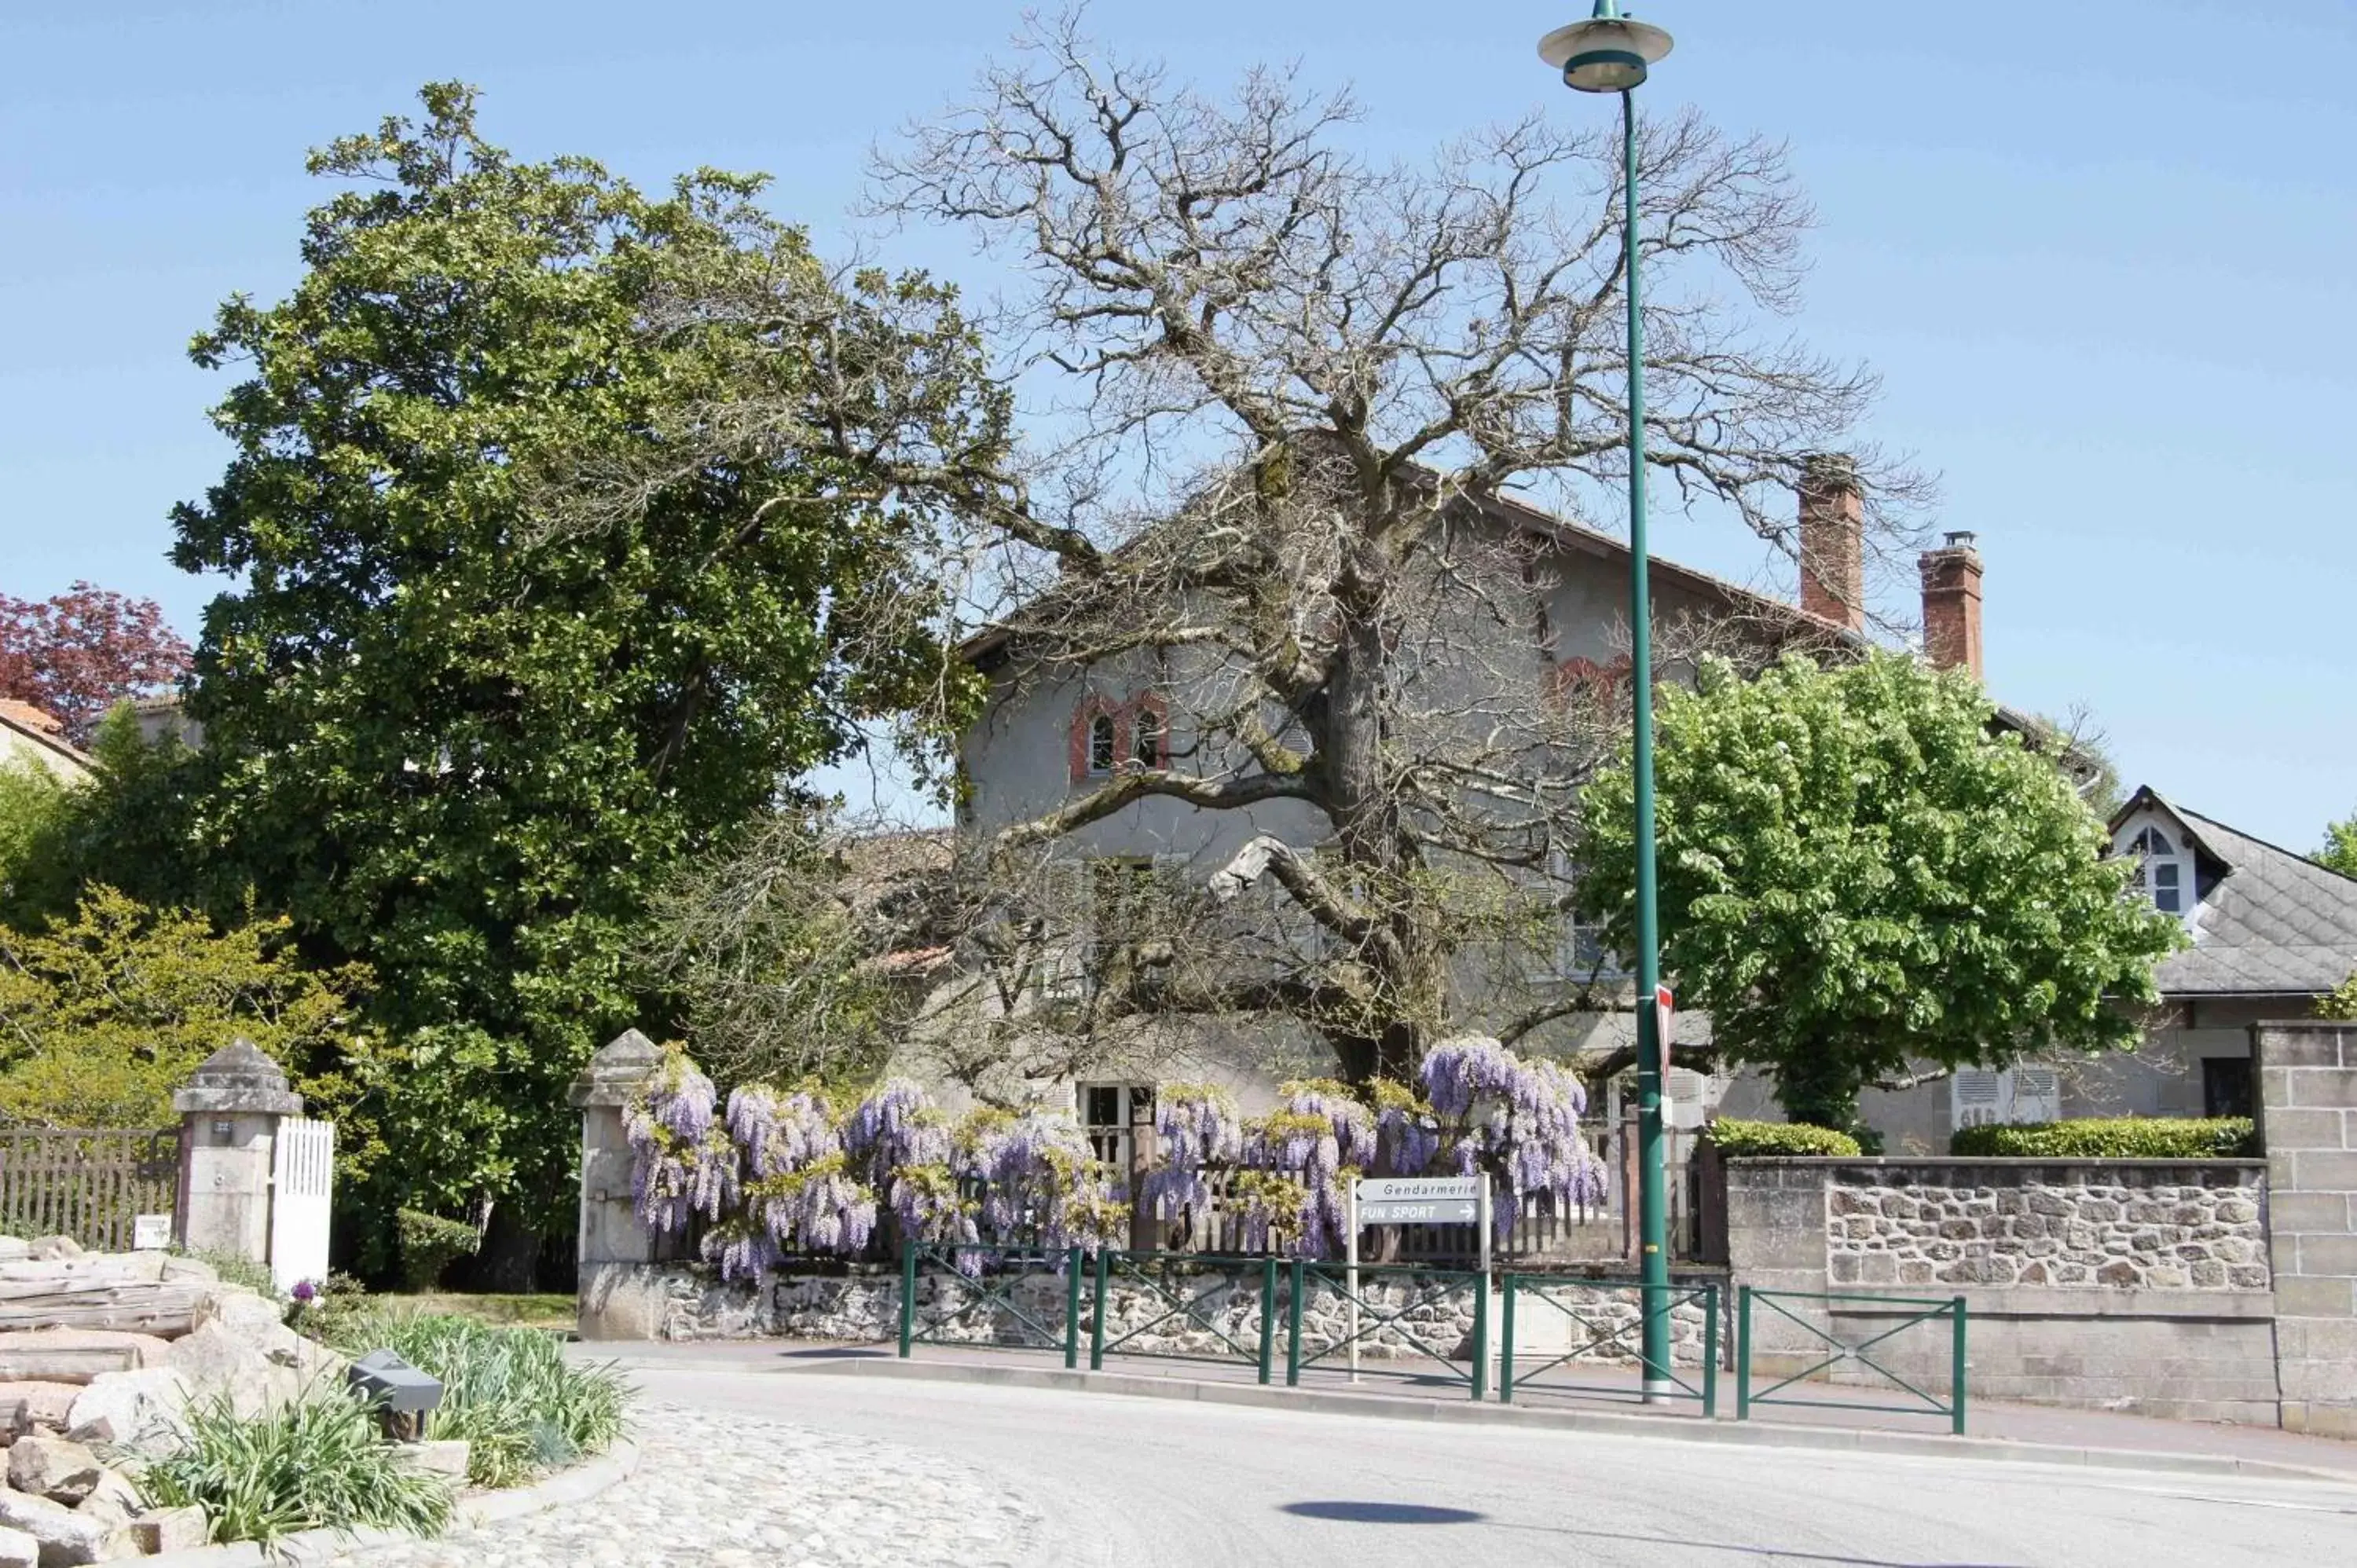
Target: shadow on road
point(1384, 1513)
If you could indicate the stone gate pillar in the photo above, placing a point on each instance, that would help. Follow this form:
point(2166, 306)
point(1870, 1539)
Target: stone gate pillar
point(2308, 1114)
point(230, 1111)
point(621, 1293)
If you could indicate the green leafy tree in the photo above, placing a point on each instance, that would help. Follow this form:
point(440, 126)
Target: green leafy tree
point(458, 742)
point(2340, 851)
point(104, 1014)
point(1858, 877)
point(37, 810)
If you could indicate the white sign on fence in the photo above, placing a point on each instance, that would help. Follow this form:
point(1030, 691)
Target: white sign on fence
point(150, 1232)
point(1420, 1200)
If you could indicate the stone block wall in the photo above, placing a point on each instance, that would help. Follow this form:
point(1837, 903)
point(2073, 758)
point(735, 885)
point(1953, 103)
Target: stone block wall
point(2069, 1227)
point(1593, 1322)
point(2139, 1285)
point(2308, 1115)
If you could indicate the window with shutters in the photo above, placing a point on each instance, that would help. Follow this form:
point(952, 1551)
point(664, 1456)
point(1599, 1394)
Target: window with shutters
point(1979, 1097)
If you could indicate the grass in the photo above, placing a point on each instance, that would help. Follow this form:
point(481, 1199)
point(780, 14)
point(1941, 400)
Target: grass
point(496, 1311)
point(320, 1463)
point(509, 1392)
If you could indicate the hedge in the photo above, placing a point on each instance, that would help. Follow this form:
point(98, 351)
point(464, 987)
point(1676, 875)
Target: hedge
point(2114, 1138)
point(1777, 1140)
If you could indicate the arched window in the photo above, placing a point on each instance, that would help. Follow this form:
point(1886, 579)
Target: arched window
point(1104, 743)
point(2160, 870)
point(1145, 739)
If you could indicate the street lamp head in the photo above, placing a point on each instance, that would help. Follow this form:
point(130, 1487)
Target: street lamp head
point(1607, 53)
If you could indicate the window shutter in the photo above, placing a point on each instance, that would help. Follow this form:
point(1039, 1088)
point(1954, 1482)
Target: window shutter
point(1976, 1096)
point(2036, 1095)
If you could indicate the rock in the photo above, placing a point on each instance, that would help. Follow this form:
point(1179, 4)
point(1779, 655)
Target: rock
point(75, 1355)
point(261, 1324)
point(178, 1270)
point(442, 1456)
point(112, 1504)
point(65, 1537)
point(18, 1550)
point(167, 1529)
point(129, 1408)
point(216, 1362)
point(37, 1405)
point(42, 1249)
point(13, 1248)
point(56, 1468)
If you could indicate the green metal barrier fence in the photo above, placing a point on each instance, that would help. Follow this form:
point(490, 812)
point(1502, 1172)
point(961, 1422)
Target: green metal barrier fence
point(980, 1291)
point(1843, 1352)
point(1158, 1274)
point(1525, 1291)
point(1432, 1285)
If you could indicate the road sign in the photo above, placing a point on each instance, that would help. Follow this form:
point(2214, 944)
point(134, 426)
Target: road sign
point(1420, 1200)
point(1665, 1013)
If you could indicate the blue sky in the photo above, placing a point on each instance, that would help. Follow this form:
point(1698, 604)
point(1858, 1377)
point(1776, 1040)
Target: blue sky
point(2101, 254)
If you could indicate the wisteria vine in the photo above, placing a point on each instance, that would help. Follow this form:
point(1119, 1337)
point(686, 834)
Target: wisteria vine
point(783, 1171)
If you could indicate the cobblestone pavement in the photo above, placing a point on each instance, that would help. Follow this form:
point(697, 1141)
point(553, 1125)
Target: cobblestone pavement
point(739, 1489)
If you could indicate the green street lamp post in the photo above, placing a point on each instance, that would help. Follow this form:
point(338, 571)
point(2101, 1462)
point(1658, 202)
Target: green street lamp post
point(1610, 53)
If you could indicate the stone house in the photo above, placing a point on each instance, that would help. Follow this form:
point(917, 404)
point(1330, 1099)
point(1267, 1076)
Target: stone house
point(30, 737)
point(1042, 741)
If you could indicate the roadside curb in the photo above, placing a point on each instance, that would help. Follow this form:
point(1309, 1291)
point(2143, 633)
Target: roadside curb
point(309, 1548)
point(1391, 1407)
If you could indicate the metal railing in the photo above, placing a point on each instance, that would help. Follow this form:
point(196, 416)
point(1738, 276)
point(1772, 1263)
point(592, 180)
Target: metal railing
point(1845, 1353)
point(967, 1269)
point(1525, 1291)
point(1368, 1318)
point(1182, 1304)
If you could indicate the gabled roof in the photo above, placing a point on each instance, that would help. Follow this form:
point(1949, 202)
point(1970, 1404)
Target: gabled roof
point(2273, 924)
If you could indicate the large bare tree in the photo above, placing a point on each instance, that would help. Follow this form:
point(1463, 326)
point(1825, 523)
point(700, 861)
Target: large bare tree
point(1284, 411)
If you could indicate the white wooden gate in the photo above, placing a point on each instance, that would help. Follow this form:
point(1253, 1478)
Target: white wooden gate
point(302, 1178)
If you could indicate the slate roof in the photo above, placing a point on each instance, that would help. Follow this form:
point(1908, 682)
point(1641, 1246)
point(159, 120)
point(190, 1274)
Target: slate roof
point(2272, 923)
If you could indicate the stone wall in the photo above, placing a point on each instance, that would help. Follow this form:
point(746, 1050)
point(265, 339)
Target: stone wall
point(2308, 1114)
point(864, 1307)
point(2069, 1227)
point(2139, 1285)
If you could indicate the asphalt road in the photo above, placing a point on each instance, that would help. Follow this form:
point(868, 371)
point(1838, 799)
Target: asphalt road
point(1134, 1481)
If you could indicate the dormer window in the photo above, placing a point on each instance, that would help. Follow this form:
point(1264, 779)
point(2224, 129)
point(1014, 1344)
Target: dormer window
point(2162, 875)
point(1104, 745)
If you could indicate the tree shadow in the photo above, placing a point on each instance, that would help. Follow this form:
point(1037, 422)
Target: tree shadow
point(1383, 1513)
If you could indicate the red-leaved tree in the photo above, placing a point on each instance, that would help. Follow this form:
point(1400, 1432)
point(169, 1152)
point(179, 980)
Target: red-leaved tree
point(78, 653)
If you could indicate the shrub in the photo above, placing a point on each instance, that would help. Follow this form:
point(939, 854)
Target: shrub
point(429, 1244)
point(319, 1463)
point(509, 1392)
point(2114, 1138)
point(1777, 1140)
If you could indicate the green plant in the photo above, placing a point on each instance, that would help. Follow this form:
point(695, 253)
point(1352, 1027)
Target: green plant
point(1863, 874)
point(508, 1392)
point(235, 1269)
point(2342, 1004)
point(2114, 1138)
point(1777, 1140)
point(104, 1015)
point(429, 1244)
point(319, 1463)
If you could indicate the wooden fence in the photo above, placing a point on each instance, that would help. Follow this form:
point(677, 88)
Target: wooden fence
point(83, 1183)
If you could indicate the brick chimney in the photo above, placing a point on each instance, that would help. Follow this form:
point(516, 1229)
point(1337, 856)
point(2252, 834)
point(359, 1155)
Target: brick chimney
point(1832, 541)
point(1952, 604)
